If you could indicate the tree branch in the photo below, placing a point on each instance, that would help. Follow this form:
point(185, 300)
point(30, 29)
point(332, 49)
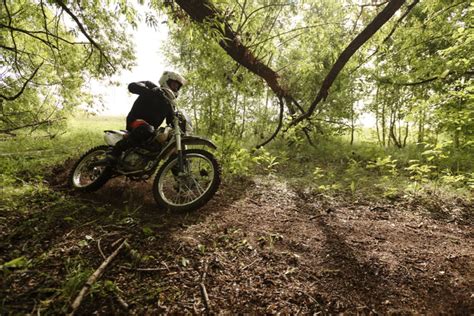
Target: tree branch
point(280, 123)
point(47, 33)
point(397, 24)
point(9, 131)
point(23, 87)
point(84, 31)
point(421, 81)
point(379, 20)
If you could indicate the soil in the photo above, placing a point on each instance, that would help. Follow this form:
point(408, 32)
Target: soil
point(259, 246)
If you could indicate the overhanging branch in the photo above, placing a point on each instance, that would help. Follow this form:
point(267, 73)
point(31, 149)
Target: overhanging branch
point(202, 11)
point(23, 87)
point(84, 31)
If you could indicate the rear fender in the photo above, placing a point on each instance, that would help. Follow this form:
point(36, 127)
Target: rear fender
point(185, 140)
point(112, 137)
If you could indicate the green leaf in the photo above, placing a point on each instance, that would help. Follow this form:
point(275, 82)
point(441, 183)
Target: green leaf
point(147, 231)
point(20, 262)
point(445, 74)
point(184, 262)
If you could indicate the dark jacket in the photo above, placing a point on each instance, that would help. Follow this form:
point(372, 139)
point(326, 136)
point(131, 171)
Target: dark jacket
point(151, 105)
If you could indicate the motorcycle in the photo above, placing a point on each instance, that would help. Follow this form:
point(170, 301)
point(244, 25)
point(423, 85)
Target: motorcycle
point(186, 181)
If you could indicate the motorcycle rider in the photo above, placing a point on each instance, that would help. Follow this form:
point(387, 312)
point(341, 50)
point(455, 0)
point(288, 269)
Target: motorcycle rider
point(150, 109)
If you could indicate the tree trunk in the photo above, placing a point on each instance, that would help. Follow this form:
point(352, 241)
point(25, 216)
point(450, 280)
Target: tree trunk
point(406, 135)
point(242, 128)
point(421, 126)
point(456, 138)
point(392, 128)
point(352, 124)
point(377, 115)
point(383, 125)
point(400, 132)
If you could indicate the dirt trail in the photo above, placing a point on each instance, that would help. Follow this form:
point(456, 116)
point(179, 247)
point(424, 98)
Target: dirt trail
point(265, 247)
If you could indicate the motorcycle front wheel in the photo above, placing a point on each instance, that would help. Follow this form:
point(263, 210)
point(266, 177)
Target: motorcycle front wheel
point(87, 177)
point(190, 189)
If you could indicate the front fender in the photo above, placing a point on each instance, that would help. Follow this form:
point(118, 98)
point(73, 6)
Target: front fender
point(186, 140)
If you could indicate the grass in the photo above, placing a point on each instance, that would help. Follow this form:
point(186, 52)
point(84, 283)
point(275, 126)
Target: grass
point(25, 159)
point(27, 154)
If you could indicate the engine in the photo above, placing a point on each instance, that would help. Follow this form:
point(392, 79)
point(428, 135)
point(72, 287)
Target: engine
point(134, 159)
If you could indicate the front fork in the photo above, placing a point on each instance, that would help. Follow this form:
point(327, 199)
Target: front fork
point(178, 133)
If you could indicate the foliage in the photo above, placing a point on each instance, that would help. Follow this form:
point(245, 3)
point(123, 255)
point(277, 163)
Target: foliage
point(47, 61)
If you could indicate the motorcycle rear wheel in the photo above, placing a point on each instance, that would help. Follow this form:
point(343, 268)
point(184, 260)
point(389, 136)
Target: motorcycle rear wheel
point(191, 190)
point(86, 178)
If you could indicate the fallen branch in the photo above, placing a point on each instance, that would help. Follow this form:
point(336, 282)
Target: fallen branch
point(251, 264)
point(100, 249)
point(35, 124)
point(121, 301)
point(93, 278)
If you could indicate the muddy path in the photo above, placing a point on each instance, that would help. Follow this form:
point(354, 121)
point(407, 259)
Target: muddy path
point(260, 246)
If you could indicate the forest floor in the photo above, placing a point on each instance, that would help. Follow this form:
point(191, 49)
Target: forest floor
point(259, 246)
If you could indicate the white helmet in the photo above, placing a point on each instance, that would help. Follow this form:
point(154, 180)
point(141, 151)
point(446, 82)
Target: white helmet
point(168, 76)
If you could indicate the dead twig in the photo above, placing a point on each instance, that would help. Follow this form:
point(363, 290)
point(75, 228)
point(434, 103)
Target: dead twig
point(100, 249)
point(250, 264)
point(204, 291)
point(121, 301)
point(143, 269)
point(93, 278)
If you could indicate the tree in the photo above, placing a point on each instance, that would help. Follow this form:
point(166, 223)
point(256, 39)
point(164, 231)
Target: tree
point(48, 53)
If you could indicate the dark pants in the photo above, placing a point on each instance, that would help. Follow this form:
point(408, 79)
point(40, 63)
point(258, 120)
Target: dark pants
point(139, 132)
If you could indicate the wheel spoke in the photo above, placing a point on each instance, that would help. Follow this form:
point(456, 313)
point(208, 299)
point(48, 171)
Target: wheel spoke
point(189, 187)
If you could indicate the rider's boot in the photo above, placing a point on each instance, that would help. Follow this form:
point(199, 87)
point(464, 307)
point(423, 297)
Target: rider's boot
point(112, 155)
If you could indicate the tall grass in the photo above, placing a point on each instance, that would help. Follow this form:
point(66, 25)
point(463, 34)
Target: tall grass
point(24, 160)
point(28, 154)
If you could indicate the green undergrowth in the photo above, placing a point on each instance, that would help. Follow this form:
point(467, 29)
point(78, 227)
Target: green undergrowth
point(333, 167)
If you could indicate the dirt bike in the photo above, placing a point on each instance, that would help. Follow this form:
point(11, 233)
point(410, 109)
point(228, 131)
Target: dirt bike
point(187, 179)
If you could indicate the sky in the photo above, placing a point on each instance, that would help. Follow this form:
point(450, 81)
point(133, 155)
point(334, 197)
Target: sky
point(150, 64)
